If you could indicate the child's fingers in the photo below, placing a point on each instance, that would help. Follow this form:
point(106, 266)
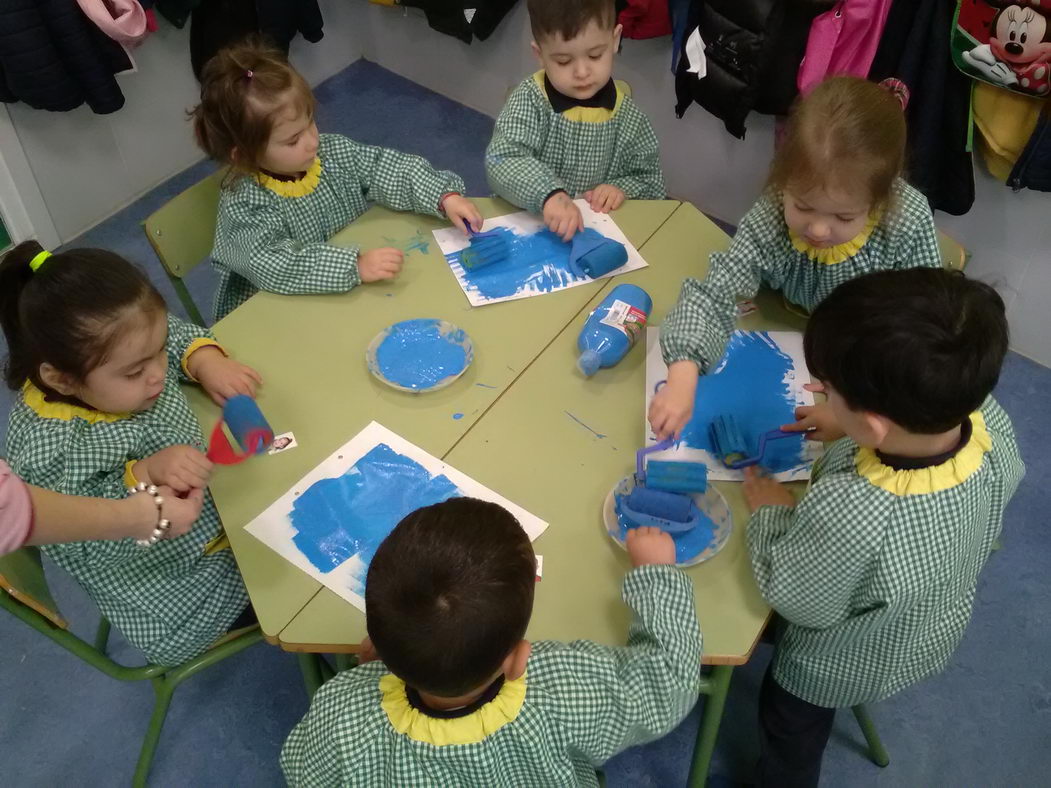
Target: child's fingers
point(818, 387)
point(254, 375)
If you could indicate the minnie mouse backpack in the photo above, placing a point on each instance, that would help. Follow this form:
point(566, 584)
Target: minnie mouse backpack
point(1006, 43)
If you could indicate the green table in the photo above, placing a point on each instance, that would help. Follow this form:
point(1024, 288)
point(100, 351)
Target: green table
point(310, 351)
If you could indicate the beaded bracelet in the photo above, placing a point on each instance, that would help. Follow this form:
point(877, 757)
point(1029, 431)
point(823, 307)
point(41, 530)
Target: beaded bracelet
point(162, 525)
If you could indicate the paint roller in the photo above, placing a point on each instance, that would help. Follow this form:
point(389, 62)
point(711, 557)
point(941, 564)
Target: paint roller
point(249, 427)
point(594, 255)
point(659, 498)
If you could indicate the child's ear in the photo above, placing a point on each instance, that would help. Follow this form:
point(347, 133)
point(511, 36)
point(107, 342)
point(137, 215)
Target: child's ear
point(536, 51)
point(877, 428)
point(515, 662)
point(617, 31)
point(56, 380)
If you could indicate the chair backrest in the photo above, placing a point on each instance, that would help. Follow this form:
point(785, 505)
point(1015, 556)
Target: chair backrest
point(182, 231)
point(953, 255)
point(22, 578)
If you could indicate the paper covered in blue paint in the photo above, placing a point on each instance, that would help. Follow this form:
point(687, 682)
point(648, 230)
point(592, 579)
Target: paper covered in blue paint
point(760, 382)
point(331, 521)
point(538, 261)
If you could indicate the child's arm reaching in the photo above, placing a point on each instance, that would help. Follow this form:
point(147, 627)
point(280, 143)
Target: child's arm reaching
point(195, 356)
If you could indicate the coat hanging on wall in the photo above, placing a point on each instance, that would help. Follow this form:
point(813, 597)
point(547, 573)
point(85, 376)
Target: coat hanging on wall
point(52, 57)
point(465, 21)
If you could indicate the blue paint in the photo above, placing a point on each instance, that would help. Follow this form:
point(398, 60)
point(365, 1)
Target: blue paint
point(417, 243)
point(585, 426)
point(536, 263)
point(751, 383)
point(416, 355)
point(688, 544)
point(350, 515)
point(485, 385)
point(457, 416)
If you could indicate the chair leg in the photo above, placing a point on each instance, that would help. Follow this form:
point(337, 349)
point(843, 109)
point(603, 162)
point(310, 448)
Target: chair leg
point(877, 753)
point(311, 670)
point(102, 635)
point(716, 687)
point(163, 690)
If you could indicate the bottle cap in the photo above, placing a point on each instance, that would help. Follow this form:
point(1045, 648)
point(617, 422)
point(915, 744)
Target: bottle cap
point(589, 362)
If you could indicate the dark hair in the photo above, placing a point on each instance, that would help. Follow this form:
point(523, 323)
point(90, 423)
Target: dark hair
point(845, 132)
point(922, 347)
point(569, 17)
point(66, 312)
point(449, 594)
point(242, 92)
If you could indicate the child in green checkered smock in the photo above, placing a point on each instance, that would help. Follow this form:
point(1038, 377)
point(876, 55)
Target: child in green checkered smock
point(874, 571)
point(459, 698)
point(571, 130)
point(98, 363)
point(290, 189)
point(835, 208)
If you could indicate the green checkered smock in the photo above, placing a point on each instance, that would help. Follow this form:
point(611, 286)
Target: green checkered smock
point(762, 253)
point(273, 235)
point(171, 600)
point(536, 151)
point(875, 569)
point(578, 705)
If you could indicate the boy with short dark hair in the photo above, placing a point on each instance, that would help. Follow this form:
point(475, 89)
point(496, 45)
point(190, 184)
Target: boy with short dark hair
point(460, 698)
point(874, 570)
point(570, 129)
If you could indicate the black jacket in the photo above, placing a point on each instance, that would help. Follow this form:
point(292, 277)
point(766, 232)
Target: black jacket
point(447, 16)
point(52, 57)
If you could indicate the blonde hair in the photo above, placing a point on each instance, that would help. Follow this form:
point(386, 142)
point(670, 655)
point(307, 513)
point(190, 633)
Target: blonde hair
point(846, 132)
point(243, 89)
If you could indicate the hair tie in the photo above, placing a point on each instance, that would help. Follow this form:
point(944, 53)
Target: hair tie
point(898, 89)
point(38, 260)
point(249, 74)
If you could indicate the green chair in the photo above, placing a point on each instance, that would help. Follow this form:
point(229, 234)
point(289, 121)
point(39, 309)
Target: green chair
point(716, 685)
point(24, 593)
point(182, 233)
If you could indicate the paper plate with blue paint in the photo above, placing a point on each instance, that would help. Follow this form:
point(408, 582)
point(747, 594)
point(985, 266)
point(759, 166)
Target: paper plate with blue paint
point(692, 547)
point(420, 355)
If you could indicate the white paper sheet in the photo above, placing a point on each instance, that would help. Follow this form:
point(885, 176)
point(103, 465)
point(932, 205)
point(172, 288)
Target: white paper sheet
point(451, 240)
point(789, 342)
point(274, 527)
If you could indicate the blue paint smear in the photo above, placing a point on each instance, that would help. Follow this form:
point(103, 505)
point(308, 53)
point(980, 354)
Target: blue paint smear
point(417, 243)
point(416, 355)
point(457, 416)
point(750, 383)
point(687, 545)
point(585, 426)
point(485, 385)
point(536, 263)
point(350, 515)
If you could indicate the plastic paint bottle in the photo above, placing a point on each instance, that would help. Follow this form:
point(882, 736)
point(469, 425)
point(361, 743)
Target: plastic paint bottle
point(613, 327)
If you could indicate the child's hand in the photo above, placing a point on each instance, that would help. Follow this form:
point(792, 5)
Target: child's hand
point(605, 198)
point(672, 406)
point(818, 420)
point(222, 377)
point(376, 265)
point(182, 468)
point(761, 490)
point(562, 216)
point(462, 212)
point(647, 545)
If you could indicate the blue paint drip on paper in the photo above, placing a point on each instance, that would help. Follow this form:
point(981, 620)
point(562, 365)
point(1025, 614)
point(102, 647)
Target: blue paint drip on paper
point(416, 355)
point(336, 519)
point(751, 382)
point(688, 544)
point(537, 262)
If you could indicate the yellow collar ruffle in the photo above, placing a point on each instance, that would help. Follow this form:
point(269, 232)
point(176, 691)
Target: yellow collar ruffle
point(299, 188)
point(474, 727)
point(587, 114)
point(830, 255)
point(35, 399)
point(921, 481)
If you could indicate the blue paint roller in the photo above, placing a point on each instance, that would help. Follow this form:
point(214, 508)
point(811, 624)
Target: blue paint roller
point(729, 445)
point(249, 427)
point(485, 248)
point(594, 255)
point(651, 503)
point(675, 476)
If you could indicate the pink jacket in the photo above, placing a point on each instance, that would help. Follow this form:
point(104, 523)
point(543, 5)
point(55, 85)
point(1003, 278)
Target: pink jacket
point(122, 20)
point(16, 511)
point(843, 40)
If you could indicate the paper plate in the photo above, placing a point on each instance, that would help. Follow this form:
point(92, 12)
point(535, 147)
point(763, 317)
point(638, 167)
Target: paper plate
point(448, 331)
point(688, 550)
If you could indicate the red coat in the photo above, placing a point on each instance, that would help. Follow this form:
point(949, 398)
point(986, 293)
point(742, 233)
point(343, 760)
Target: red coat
point(646, 19)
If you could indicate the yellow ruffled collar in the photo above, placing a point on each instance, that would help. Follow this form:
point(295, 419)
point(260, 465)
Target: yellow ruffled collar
point(35, 399)
point(298, 188)
point(936, 478)
point(830, 255)
point(472, 728)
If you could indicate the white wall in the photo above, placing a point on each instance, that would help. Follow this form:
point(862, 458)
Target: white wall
point(1008, 234)
point(86, 166)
